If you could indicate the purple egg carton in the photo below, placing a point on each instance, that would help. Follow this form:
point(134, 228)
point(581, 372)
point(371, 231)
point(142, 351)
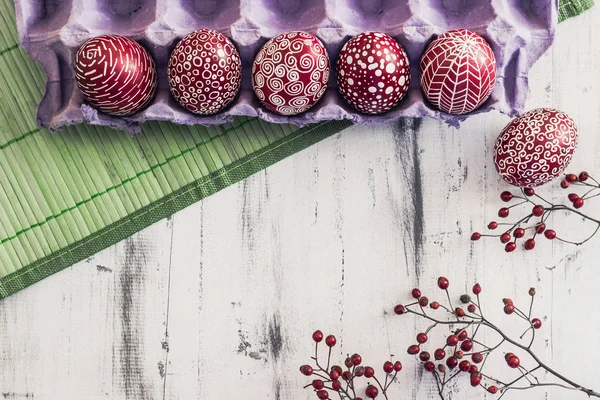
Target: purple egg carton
point(51, 31)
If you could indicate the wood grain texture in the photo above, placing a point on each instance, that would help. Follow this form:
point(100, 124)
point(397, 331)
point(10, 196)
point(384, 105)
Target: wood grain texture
point(219, 302)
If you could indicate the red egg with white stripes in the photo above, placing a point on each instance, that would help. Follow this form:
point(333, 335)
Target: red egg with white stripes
point(458, 71)
point(115, 74)
point(373, 72)
point(205, 72)
point(290, 73)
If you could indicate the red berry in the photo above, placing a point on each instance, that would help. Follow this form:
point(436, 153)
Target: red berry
point(529, 244)
point(464, 366)
point(459, 312)
point(399, 309)
point(473, 368)
point(475, 379)
point(462, 335)
point(452, 362)
point(434, 305)
point(424, 356)
point(519, 233)
point(334, 375)
point(578, 203)
point(475, 236)
point(442, 368)
point(476, 289)
point(322, 394)
point(346, 375)
point(537, 323)
point(503, 212)
point(413, 349)
point(422, 337)
point(317, 336)
point(540, 228)
point(571, 178)
point(583, 176)
point(429, 366)
point(359, 371)
point(416, 293)
point(509, 309)
point(356, 359)
point(514, 362)
point(467, 345)
point(388, 367)
point(529, 192)
point(507, 301)
point(371, 391)
point(318, 384)
point(443, 283)
point(510, 247)
point(505, 237)
point(336, 385)
point(550, 234)
point(537, 210)
point(564, 184)
point(506, 196)
point(306, 370)
point(452, 340)
point(338, 369)
point(330, 341)
point(369, 372)
point(573, 197)
point(508, 355)
point(477, 358)
point(439, 354)
point(471, 308)
point(397, 366)
point(423, 301)
point(348, 362)
point(459, 354)
point(492, 225)
point(493, 389)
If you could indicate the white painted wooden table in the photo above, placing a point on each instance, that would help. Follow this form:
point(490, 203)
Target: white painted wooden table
point(219, 302)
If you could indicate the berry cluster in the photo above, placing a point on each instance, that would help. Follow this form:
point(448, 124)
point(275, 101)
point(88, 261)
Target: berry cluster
point(344, 381)
point(528, 227)
point(461, 353)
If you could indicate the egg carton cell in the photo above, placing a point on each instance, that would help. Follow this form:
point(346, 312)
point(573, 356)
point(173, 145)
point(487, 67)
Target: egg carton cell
point(51, 31)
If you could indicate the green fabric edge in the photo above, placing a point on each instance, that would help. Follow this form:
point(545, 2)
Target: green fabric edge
point(168, 205)
point(573, 8)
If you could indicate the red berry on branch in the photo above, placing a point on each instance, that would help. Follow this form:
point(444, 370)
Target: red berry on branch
point(550, 234)
point(492, 225)
point(537, 323)
point(509, 309)
point(336, 385)
point(537, 210)
point(413, 349)
point(334, 375)
point(443, 283)
point(571, 178)
point(306, 370)
point(423, 301)
point(540, 228)
point(371, 391)
point(475, 379)
point(564, 184)
point(424, 356)
point(439, 354)
point(348, 362)
point(464, 366)
point(506, 196)
point(422, 337)
point(318, 384)
point(467, 345)
point(519, 233)
point(317, 336)
point(459, 312)
point(397, 366)
point(477, 358)
point(388, 367)
point(529, 244)
point(452, 362)
point(462, 335)
point(369, 372)
point(493, 389)
point(322, 394)
point(346, 375)
point(531, 291)
point(578, 203)
point(573, 197)
point(583, 176)
point(471, 308)
point(473, 368)
point(434, 305)
point(337, 369)
point(442, 368)
point(459, 354)
point(475, 236)
point(399, 309)
point(330, 341)
point(513, 362)
point(429, 366)
point(503, 212)
point(529, 191)
point(356, 359)
point(505, 237)
point(510, 247)
point(476, 289)
point(507, 301)
point(359, 371)
point(416, 293)
point(452, 340)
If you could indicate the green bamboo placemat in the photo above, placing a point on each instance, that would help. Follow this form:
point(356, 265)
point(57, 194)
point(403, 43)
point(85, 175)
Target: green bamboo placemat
point(66, 195)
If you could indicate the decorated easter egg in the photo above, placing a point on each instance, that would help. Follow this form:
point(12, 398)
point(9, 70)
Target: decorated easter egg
point(205, 72)
point(535, 147)
point(290, 73)
point(458, 71)
point(115, 74)
point(373, 72)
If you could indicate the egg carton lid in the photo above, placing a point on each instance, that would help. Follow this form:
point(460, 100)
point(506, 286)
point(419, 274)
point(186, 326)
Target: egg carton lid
point(51, 31)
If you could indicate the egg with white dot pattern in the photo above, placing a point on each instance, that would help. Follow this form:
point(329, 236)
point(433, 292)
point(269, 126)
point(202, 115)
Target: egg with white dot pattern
point(205, 72)
point(373, 72)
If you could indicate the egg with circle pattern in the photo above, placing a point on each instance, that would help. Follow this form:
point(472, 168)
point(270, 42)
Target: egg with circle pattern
point(115, 74)
point(290, 72)
point(205, 72)
point(536, 147)
point(373, 72)
point(458, 71)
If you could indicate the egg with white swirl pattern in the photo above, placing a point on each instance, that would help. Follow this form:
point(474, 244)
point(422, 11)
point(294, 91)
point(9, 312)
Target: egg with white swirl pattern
point(536, 147)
